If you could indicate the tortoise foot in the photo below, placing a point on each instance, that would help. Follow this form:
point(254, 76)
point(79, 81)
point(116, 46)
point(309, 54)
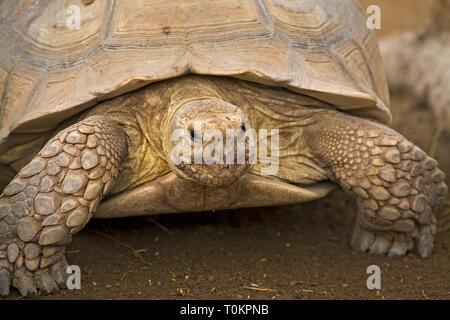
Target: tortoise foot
point(390, 243)
point(30, 267)
point(52, 198)
point(398, 188)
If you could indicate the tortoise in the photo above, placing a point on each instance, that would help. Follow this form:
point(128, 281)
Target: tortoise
point(96, 120)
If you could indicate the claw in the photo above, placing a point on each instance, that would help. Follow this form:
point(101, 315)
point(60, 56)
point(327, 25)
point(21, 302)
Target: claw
point(58, 273)
point(381, 245)
point(5, 282)
point(425, 245)
point(45, 282)
point(362, 239)
point(25, 285)
point(399, 248)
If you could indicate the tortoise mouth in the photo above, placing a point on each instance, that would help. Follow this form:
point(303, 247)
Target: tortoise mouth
point(212, 175)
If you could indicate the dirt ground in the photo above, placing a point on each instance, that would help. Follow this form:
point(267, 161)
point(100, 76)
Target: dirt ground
point(291, 252)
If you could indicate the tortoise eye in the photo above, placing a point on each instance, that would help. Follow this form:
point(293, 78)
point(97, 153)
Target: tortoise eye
point(243, 127)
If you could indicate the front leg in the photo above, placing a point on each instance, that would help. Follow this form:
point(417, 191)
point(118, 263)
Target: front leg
point(52, 198)
point(397, 187)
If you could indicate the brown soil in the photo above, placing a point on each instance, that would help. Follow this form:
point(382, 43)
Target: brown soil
point(291, 252)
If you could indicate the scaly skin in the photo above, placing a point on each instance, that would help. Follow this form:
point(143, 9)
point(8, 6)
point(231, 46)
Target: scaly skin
point(52, 198)
point(397, 187)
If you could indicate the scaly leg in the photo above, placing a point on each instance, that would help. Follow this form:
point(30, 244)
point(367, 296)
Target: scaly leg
point(52, 198)
point(397, 187)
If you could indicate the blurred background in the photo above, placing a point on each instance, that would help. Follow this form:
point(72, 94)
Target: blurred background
point(415, 44)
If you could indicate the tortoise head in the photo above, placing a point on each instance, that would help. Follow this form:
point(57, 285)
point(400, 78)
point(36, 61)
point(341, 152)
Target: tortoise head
point(210, 142)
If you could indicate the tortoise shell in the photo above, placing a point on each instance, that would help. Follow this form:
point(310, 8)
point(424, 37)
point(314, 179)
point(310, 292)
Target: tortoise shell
point(49, 72)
